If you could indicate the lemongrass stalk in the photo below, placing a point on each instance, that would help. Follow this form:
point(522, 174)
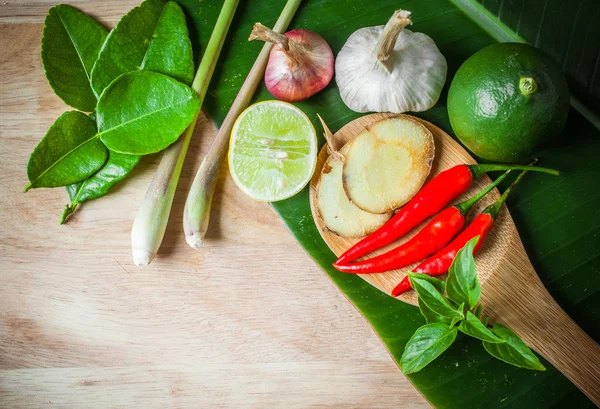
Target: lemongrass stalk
point(151, 220)
point(196, 214)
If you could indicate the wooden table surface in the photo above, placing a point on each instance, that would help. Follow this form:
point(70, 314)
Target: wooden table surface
point(249, 321)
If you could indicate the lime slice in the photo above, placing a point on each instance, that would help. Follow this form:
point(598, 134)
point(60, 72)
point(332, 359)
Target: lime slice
point(272, 151)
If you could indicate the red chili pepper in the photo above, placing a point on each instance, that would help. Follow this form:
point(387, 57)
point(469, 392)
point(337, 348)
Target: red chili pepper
point(432, 198)
point(440, 262)
point(434, 236)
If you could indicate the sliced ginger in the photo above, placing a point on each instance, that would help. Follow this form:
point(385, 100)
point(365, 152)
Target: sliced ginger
point(387, 164)
point(337, 212)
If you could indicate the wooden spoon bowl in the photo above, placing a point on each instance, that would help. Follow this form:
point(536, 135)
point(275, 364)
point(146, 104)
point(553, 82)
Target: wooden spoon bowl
point(512, 292)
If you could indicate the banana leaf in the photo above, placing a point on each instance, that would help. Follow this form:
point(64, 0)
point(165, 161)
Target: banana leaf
point(557, 219)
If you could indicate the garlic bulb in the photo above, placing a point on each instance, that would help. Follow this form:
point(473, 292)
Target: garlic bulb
point(390, 69)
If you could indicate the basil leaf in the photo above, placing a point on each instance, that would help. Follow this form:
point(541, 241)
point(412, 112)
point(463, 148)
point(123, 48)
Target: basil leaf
point(462, 284)
point(430, 316)
point(474, 328)
point(478, 310)
point(151, 36)
point(513, 351)
point(143, 112)
point(426, 344)
point(71, 43)
point(439, 285)
point(69, 152)
point(115, 169)
point(460, 308)
point(431, 297)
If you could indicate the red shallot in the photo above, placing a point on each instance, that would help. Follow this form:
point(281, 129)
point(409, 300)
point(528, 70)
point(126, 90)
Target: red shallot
point(300, 64)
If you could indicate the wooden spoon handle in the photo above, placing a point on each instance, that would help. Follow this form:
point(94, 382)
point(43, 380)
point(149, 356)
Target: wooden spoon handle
point(522, 303)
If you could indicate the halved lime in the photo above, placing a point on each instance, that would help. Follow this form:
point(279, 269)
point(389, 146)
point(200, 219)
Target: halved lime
point(272, 151)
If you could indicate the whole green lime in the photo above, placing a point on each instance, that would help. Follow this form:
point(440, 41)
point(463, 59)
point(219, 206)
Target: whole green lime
point(507, 101)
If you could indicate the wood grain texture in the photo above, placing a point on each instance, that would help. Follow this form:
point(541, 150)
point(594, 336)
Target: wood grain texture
point(249, 321)
point(512, 292)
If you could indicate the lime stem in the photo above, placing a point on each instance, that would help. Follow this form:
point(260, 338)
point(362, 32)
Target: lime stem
point(527, 85)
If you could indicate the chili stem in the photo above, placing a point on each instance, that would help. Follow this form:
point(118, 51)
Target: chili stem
point(465, 206)
point(480, 169)
point(151, 220)
point(196, 214)
point(494, 208)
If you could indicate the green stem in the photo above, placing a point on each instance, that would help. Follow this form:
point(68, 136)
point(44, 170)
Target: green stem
point(494, 208)
point(151, 221)
point(480, 169)
point(527, 86)
point(465, 206)
point(196, 214)
point(69, 209)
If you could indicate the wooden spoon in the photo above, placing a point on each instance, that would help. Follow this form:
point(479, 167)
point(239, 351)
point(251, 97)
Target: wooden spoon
point(512, 292)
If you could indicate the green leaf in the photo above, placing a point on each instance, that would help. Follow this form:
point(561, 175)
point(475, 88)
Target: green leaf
point(151, 36)
point(439, 285)
point(462, 284)
point(170, 50)
point(475, 328)
point(455, 320)
point(143, 112)
point(68, 153)
point(70, 45)
point(465, 376)
point(430, 316)
point(513, 351)
point(478, 310)
point(425, 345)
point(169, 53)
point(431, 297)
point(115, 169)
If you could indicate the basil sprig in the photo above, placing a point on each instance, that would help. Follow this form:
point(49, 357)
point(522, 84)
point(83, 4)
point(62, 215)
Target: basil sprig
point(432, 297)
point(452, 306)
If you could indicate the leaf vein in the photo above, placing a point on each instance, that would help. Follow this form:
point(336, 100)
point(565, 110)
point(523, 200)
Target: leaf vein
point(61, 159)
point(137, 118)
point(79, 54)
